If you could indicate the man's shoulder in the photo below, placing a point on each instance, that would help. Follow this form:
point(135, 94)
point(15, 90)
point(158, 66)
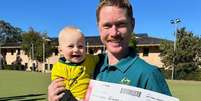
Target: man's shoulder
point(92, 58)
point(144, 66)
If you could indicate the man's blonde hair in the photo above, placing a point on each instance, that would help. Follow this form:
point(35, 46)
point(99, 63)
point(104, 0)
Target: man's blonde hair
point(125, 4)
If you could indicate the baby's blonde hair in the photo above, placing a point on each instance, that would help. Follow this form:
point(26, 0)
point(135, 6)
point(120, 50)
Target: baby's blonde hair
point(68, 31)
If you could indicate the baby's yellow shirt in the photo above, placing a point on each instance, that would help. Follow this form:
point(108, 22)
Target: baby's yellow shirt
point(77, 76)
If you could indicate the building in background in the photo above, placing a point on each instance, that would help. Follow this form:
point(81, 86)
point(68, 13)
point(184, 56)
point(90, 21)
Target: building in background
point(148, 49)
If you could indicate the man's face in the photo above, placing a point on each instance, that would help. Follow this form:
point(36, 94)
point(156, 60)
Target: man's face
point(115, 28)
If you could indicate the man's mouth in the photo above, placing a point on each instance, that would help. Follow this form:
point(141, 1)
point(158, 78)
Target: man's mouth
point(115, 41)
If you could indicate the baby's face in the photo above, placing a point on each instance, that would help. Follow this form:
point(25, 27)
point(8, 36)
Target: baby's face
point(73, 48)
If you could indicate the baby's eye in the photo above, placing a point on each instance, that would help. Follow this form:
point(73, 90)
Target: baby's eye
point(70, 46)
point(80, 46)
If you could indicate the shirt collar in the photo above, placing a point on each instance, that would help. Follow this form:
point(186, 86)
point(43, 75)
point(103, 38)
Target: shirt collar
point(65, 61)
point(105, 63)
point(123, 64)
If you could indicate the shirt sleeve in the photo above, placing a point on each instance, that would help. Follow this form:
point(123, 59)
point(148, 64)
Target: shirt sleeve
point(56, 72)
point(94, 58)
point(156, 82)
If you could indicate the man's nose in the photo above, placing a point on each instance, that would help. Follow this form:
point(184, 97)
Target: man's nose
point(114, 30)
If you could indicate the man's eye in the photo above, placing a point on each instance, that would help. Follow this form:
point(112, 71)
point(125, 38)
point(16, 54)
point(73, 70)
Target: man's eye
point(121, 25)
point(107, 26)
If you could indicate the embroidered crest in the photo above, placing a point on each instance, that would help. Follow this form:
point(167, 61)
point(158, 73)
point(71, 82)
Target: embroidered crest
point(125, 81)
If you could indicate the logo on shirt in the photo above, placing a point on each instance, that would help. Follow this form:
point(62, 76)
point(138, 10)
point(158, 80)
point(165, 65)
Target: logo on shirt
point(125, 81)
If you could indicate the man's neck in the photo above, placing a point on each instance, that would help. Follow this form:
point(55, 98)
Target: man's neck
point(115, 58)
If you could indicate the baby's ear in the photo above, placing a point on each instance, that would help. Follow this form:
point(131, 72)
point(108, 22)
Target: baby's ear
point(60, 49)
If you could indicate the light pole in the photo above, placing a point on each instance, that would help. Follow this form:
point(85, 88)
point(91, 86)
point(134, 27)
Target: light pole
point(43, 49)
point(44, 60)
point(32, 57)
point(32, 50)
point(87, 47)
point(175, 22)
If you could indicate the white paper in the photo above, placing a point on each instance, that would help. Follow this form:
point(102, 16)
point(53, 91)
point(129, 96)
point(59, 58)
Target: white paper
point(104, 91)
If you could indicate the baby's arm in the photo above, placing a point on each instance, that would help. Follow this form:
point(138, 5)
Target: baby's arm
point(57, 72)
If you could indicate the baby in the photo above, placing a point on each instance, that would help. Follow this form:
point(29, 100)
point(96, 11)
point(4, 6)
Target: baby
point(75, 66)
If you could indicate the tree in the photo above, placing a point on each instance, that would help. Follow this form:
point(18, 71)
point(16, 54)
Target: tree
point(32, 44)
point(187, 55)
point(9, 33)
point(133, 42)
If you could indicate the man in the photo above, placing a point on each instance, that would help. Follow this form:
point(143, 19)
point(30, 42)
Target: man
point(120, 64)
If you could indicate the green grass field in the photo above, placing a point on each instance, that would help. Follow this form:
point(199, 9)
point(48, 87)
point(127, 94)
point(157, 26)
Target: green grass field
point(23, 86)
point(32, 86)
point(186, 90)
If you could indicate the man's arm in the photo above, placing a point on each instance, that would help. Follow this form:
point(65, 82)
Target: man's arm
point(156, 82)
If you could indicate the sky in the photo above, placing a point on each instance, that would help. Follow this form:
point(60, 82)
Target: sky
point(152, 16)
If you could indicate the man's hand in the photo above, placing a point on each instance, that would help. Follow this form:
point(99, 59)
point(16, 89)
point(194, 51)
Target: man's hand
point(55, 90)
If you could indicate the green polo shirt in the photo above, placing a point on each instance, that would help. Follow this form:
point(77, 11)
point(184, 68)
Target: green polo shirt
point(133, 71)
